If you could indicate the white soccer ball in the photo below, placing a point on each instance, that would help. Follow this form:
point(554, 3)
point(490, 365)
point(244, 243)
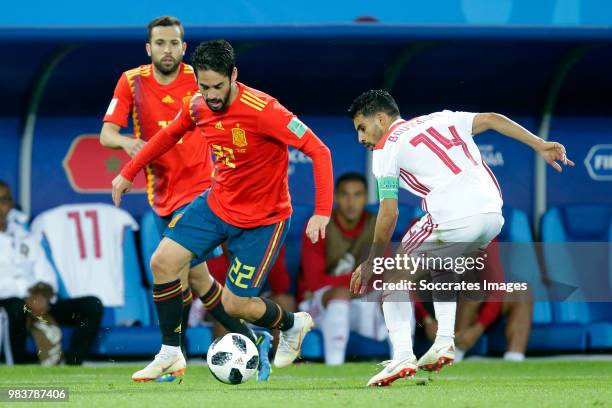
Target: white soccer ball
point(233, 358)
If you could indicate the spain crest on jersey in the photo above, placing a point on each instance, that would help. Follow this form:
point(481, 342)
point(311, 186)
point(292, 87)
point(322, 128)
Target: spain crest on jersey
point(188, 97)
point(239, 137)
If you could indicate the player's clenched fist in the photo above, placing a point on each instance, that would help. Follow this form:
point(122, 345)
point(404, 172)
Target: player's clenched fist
point(121, 185)
point(316, 227)
point(133, 146)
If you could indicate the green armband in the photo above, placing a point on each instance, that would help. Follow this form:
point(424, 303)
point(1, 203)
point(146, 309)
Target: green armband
point(387, 187)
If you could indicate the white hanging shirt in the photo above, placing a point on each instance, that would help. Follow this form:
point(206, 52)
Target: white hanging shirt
point(86, 242)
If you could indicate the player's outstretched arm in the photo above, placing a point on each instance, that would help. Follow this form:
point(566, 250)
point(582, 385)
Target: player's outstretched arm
point(551, 152)
point(324, 186)
point(386, 221)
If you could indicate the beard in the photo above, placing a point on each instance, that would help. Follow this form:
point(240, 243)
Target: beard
point(166, 69)
point(218, 104)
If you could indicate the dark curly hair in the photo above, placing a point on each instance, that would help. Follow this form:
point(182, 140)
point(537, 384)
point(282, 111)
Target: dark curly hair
point(215, 55)
point(373, 101)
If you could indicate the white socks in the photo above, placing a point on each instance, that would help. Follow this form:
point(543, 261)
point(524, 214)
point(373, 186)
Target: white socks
point(514, 356)
point(398, 316)
point(335, 328)
point(445, 315)
point(170, 350)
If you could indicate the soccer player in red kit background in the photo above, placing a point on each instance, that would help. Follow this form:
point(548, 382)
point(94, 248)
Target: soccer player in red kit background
point(248, 204)
point(153, 95)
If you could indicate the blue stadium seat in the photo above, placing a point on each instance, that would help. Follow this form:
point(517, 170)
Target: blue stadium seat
point(293, 240)
point(577, 223)
point(135, 309)
point(580, 223)
point(199, 339)
point(129, 341)
point(312, 347)
point(363, 347)
point(516, 226)
point(149, 239)
point(141, 339)
point(520, 260)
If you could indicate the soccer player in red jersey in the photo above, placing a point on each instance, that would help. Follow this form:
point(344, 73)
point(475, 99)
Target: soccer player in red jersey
point(153, 95)
point(248, 203)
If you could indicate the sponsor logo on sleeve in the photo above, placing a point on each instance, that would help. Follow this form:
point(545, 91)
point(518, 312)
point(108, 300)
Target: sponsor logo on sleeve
point(111, 106)
point(297, 127)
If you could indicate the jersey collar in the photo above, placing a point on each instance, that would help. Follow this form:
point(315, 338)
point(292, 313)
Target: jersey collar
point(383, 140)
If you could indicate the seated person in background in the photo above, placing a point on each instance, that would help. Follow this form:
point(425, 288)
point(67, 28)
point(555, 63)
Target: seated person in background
point(25, 273)
point(474, 318)
point(278, 280)
point(327, 267)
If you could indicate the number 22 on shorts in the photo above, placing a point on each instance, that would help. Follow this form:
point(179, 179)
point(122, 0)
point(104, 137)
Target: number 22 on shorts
point(236, 276)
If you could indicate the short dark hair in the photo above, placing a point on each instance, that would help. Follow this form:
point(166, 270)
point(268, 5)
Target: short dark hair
point(352, 176)
point(164, 21)
point(215, 55)
point(374, 101)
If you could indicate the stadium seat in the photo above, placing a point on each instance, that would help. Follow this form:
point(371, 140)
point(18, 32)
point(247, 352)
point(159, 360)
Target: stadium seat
point(149, 239)
point(566, 267)
point(363, 347)
point(293, 241)
point(129, 341)
point(199, 339)
point(312, 347)
point(520, 260)
point(127, 330)
point(135, 310)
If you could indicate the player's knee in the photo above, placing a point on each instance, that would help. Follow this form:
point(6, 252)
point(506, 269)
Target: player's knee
point(159, 264)
point(336, 293)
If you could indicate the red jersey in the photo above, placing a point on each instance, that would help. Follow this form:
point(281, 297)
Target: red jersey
point(249, 140)
point(178, 176)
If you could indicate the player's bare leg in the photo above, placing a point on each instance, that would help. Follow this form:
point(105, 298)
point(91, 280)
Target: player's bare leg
point(166, 264)
point(209, 291)
point(518, 326)
point(467, 314)
point(265, 313)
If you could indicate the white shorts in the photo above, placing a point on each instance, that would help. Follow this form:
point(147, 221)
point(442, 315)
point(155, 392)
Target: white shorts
point(474, 232)
point(366, 318)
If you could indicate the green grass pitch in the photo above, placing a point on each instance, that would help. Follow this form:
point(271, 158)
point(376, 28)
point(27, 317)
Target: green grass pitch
point(540, 383)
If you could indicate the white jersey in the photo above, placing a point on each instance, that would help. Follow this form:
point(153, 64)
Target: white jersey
point(86, 242)
point(23, 263)
point(17, 224)
point(435, 158)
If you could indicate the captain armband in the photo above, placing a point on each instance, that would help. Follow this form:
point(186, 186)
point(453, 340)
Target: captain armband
point(387, 187)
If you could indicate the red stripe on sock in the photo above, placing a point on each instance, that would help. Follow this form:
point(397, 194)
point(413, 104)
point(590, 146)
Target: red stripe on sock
point(170, 289)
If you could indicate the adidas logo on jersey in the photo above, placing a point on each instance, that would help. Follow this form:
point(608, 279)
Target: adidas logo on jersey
point(219, 126)
point(167, 99)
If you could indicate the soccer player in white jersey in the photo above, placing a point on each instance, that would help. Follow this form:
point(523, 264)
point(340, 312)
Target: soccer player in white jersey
point(436, 158)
